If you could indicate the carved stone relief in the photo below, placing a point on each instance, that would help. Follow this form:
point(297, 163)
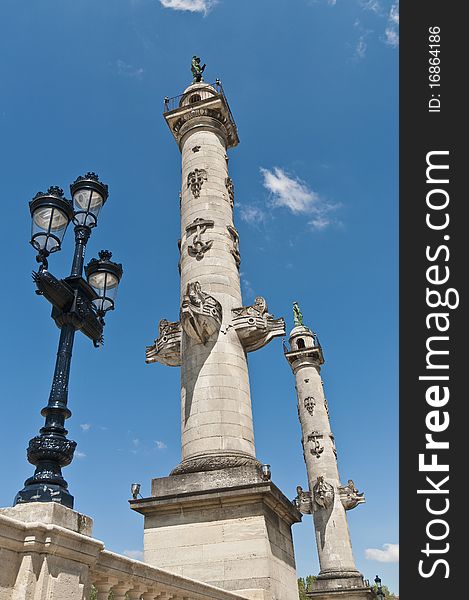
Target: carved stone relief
point(167, 346)
point(230, 188)
point(326, 406)
point(198, 247)
point(323, 493)
point(235, 239)
point(255, 326)
point(179, 261)
point(303, 501)
point(309, 404)
point(334, 449)
point(349, 495)
point(195, 180)
point(317, 448)
point(201, 314)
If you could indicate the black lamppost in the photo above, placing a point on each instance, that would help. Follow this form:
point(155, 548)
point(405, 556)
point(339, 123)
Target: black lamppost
point(379, 589)
point(76, 305)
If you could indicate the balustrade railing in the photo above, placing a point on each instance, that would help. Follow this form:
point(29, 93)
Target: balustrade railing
point(122, 578)
point(198, 96)
point(42, 559)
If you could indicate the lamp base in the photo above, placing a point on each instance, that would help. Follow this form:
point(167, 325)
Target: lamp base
point(41, 492)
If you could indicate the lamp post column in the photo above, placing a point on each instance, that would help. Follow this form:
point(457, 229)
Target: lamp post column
point(77, 305)
point(51, 450)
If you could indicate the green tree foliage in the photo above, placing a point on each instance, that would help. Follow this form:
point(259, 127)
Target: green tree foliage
point(310, 579)
point(305, 585)
point(302, 589)
point(388, 595)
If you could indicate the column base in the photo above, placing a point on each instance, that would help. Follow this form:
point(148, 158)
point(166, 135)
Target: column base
point(227, 527)
point(215, 462)
point(40, 492)
point(348, 585)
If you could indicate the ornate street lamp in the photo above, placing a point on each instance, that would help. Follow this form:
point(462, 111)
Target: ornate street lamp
point(76, 304)
point(379, 589)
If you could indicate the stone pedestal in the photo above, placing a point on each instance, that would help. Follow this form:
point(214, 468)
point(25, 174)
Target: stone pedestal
point(46, 552)
point(229, 528)
point(341, 586)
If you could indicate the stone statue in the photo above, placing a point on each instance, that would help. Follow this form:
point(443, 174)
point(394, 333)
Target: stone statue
point(197, 69)
point(297, 315)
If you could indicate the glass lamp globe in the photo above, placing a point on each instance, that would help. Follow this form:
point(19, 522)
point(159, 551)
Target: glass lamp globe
point(89, 196)
point(50, 213)
point(104, 276)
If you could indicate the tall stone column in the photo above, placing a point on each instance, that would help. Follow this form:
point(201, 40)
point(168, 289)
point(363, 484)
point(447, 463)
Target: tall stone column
point(326, 498)
point(218, 517)
point(216, 404)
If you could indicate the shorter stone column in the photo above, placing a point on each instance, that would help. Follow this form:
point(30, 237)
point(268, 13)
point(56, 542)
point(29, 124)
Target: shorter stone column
point(326, 499)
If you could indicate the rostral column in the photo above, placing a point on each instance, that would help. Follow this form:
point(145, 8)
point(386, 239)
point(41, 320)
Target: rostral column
point(219, 501)
point(326, 499)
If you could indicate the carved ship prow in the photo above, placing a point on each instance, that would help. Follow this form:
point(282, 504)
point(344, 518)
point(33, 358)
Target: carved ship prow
point(167, 346)
point(201, 314)
point(255, 326)
point(350, 496)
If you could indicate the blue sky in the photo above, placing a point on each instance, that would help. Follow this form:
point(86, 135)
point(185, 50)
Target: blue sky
point(313, 86)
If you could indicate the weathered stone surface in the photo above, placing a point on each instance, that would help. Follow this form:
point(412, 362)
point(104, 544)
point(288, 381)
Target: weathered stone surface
point(46, 561)
point(216, 518)
point(50, 513)
point(166, 349)
point(327, 499)
point(229, 526)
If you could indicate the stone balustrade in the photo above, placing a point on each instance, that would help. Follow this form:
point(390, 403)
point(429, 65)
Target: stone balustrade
point(47, 552)
point(140, 581)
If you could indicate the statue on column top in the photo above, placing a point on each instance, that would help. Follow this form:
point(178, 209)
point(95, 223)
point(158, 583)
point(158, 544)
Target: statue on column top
point(297, 315)
point(197, 69)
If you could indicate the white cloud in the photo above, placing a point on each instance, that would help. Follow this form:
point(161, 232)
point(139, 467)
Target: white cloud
point(394, 14)
point(134, 554)
point(160, 445)
point(251, 214)
point(392, 37)
point(391, 32)
point(85, 426)
point(80, 455)
point(136, 442)
point(360, 48)
point(372, 5)
point(320, 222)
point(288, 191)
point(202, 6)
point(390, 554)
point(128, 70)
point(291, 192)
